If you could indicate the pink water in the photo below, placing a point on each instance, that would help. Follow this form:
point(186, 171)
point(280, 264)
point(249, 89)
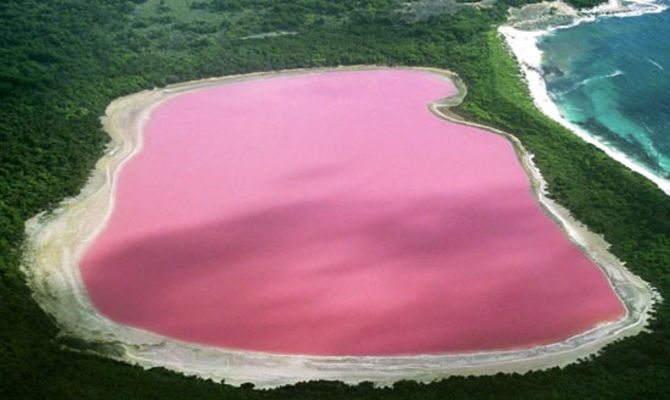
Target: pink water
point(333, 214)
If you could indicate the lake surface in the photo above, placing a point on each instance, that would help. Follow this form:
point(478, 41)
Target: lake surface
point(334, 214)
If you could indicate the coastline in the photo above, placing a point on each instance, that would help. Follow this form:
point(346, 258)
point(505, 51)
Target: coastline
point(523, 46)
point(56, 242)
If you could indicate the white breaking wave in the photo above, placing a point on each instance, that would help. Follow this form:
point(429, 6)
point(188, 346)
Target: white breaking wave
point(655, 64)
point(628, 8)
point(591, 79)
point(653, 152)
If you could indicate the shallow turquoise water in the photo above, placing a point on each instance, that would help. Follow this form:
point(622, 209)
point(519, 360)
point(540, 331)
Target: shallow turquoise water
point(612, 77)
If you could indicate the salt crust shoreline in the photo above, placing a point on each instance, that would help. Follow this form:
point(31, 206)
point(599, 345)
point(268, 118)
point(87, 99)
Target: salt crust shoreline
point(56, 241)
point(523, 44)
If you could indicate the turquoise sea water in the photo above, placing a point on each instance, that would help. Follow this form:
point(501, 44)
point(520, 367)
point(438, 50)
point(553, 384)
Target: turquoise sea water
point(612, 78)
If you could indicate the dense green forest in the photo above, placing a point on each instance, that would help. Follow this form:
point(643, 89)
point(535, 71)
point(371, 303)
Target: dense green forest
point(63, 61)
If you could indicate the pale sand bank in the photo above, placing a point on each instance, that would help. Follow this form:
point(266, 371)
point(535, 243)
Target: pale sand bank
point(56, 242)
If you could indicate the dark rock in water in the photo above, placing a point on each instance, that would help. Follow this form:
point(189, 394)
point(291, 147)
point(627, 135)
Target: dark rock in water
point(551, 70)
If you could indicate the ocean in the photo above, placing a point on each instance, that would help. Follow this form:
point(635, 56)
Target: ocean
point(611, 77)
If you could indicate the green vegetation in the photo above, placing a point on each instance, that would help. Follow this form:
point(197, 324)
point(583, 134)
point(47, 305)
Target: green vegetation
point(585, 3)
point(63, 61)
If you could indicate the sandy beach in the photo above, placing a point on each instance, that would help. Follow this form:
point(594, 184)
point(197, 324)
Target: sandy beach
point(56, 242)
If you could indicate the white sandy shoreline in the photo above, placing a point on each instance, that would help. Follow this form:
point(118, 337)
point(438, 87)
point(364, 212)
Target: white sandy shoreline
point(523, 44)
point(56, 242)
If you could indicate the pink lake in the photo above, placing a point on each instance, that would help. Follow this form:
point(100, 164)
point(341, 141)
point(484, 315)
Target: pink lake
point(333, 214)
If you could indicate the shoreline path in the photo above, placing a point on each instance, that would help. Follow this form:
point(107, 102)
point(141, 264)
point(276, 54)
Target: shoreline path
point(56, 242)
